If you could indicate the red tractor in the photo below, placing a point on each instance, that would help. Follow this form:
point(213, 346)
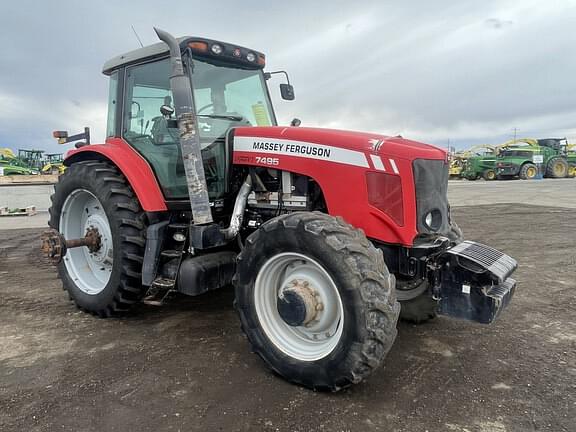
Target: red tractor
point(327, 235)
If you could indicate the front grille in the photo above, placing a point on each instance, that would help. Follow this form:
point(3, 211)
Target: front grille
point(431, 183)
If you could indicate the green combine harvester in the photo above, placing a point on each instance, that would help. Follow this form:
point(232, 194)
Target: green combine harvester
point(30, 162)
point(480, 162)
point(526, 158)
point(10, 164)
point(32, 159)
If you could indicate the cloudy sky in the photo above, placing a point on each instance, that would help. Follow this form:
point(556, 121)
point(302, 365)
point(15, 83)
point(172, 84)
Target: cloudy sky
point(464, 71)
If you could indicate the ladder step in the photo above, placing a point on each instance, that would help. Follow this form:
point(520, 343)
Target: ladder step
point(159, 292)
point(164, 283)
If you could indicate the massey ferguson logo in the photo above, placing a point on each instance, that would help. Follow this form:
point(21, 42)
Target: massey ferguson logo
point(297, 149)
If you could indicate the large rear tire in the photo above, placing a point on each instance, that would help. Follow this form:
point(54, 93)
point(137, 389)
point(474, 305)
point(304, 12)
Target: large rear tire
point(95, 194)
point(557, 168)
point(301, 253)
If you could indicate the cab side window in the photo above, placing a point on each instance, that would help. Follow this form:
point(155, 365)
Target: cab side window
point(143, 126)
point(147, 89)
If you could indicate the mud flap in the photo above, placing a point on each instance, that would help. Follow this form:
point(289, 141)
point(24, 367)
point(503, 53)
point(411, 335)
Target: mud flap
point(475, 282)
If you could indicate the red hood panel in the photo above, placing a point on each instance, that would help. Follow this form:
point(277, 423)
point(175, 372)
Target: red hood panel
point(359, 141)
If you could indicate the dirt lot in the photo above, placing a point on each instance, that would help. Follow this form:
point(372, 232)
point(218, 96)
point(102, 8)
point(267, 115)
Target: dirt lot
point(187, 366)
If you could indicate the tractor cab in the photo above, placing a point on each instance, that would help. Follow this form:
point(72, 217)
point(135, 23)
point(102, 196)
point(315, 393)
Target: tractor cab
point(229, 90)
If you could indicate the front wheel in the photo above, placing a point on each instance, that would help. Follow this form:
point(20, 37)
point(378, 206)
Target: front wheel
point(316, 300)
point(489, 175)
point(528, 171)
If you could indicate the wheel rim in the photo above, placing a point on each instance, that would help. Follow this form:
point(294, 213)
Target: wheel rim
point(531, 172)
point(90, 271)
point(559, 169)
point(319, 337)
point(491, 175)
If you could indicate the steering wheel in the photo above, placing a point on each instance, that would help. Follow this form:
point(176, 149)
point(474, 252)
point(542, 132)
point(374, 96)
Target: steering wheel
point(204, 107)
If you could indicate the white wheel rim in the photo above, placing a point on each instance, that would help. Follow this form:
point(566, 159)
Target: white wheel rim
point(306, 343)
point(90, 271)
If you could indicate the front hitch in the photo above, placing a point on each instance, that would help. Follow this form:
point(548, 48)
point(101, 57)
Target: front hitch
point(474, 282)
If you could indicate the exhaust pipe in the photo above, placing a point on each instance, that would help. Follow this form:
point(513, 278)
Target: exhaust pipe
point(238, 212)
point(189, 139)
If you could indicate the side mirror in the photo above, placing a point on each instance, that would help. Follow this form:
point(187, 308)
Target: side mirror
point(166, 111)
point(295, 122)
point(287, 91)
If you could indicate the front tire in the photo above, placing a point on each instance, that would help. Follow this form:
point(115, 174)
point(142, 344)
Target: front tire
point(528, 171)
point(95, 194)
point(356, 324)
point(489, 175)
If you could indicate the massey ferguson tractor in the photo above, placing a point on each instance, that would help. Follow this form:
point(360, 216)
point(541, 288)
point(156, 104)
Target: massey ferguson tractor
point(328, 236)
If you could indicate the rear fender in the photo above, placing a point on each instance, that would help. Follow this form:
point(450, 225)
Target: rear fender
point(132, 165)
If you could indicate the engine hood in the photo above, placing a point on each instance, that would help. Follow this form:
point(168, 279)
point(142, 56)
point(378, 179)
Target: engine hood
point(359, 141)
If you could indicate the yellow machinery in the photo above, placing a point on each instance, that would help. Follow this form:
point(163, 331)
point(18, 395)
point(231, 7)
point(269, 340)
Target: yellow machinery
point(6, 153)
point(54, 164)
point(571, 156)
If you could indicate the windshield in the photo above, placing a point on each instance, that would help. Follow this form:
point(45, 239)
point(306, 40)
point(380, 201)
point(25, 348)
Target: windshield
point(226, 96)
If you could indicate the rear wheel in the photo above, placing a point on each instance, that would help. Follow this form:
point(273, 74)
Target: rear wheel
point(528, 171)
point(94, 195)
point(316, 300)
point(557, 168)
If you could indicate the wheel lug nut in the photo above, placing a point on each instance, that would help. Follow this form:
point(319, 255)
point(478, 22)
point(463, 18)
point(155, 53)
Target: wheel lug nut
point(320, 307)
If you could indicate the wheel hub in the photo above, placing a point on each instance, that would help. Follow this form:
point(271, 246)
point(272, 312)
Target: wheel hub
point(95, 228)
point(298, 304)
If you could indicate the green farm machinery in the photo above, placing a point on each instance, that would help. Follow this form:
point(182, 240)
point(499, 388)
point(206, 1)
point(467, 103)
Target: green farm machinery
point(480, 162)
point(527, 158)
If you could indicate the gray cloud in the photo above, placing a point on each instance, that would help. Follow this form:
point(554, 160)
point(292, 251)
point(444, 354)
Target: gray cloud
point(433, 71)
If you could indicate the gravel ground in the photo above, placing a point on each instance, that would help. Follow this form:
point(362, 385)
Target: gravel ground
point(186, 366)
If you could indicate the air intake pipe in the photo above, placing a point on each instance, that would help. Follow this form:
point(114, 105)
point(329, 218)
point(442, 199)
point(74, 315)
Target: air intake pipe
point(189, 139)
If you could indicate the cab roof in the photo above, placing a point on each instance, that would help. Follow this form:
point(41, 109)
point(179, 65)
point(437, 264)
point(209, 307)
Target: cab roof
point(160, 49)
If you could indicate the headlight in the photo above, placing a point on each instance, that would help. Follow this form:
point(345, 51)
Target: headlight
point(433, 220)
point(250, 57)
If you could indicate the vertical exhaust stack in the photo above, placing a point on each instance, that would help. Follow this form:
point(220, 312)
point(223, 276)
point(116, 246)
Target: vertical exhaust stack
point(189, 138)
